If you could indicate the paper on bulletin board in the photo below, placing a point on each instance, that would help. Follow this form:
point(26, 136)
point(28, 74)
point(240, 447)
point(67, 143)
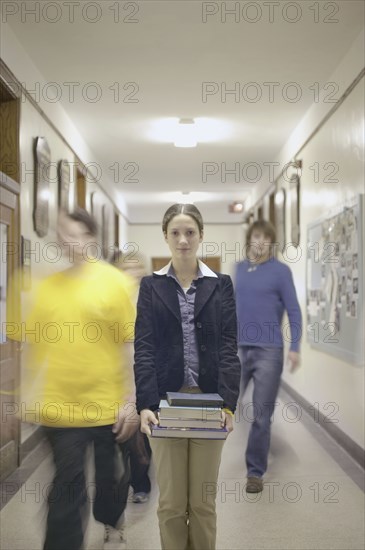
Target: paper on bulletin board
point(335, 282)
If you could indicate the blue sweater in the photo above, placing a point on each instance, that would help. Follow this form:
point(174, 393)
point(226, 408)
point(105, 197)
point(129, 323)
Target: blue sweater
point(263, 292)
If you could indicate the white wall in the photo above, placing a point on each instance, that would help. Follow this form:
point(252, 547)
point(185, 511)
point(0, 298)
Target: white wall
point(324, 378)
point(44, 255)
point(346, 72)
point(25, 70)
point(33, 125)
point(123, 231)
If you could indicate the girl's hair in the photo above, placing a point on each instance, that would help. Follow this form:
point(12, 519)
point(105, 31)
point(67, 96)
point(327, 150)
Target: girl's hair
point(264, 227)
point(187, 209)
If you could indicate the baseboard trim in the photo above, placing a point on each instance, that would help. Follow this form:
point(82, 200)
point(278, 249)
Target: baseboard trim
point(29, 444)
point(356, 452)
point(13, 483)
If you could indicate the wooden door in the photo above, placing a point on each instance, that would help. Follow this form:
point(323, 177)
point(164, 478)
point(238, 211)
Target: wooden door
point(81, 189)
point(9, 350)
point(272, 209)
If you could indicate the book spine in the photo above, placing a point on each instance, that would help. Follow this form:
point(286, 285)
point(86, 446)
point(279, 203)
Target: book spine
point(189, 433)
point(193, 403)
point(188, 423)
point(186, 412)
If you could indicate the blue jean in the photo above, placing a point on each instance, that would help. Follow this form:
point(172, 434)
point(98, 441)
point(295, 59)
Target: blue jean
point(137, 457)
point(264, 366)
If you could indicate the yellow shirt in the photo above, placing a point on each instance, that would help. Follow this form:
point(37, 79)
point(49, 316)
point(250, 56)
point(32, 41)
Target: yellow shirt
point(78, 327)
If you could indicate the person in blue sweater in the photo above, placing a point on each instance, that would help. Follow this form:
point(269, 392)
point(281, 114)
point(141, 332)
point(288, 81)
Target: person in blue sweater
point(264, 290)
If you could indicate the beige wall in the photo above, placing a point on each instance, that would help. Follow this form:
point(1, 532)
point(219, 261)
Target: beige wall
point(33, 125)
point(325, 378)
point(45, 257)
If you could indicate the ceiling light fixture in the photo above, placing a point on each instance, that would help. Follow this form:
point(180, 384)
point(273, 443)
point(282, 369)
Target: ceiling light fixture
point(235, 208)
point(185, 198)
point(185, 133)
point(201, 129)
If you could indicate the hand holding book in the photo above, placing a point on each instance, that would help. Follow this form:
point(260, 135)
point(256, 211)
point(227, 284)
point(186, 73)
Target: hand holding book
point(192, 415)
point(227, 421)
point(148, 417)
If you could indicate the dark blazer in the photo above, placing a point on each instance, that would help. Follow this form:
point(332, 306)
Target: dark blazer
point(159, 352)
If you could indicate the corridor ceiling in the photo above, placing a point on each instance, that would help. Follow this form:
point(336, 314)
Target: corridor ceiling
point(122, 66)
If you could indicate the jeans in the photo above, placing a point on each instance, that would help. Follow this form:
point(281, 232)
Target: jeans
point(68, 495)
point(136, 454)
point(264, 366)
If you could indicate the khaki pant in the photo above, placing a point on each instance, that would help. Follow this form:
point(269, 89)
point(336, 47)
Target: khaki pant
point(187, 473)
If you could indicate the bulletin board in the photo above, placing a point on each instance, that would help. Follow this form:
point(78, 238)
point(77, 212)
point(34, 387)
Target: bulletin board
point(335, 293)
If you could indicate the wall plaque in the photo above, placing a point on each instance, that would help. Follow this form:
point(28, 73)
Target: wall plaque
point(42, 157)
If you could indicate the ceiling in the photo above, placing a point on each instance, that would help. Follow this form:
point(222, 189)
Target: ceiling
point(159, 56)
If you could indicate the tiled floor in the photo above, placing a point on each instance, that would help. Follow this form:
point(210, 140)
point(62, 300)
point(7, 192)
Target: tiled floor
point(311, 500)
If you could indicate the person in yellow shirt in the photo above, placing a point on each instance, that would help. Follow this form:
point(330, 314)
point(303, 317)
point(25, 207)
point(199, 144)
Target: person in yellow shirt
point(81, 328)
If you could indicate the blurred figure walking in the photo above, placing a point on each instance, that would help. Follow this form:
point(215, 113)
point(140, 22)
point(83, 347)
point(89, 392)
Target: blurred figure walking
point(80, 324)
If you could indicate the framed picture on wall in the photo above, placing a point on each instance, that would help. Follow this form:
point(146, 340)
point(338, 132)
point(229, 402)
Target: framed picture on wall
point(280, 205)
point(105, 231)
point(272, 209)
point(42, 160)
point(116, 230)
point(26, 263)
point(92, 200)
point(250, 217)
point(294, 210)
point(260, 212)
point(64, 182)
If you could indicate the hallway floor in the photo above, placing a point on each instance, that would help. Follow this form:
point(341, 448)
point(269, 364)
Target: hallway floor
point(313, 496)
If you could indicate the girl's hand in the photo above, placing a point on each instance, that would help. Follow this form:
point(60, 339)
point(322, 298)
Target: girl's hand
point(147, 417)
point(227, 421)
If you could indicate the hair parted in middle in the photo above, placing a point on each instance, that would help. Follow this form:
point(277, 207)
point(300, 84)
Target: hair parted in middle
point(187, 209)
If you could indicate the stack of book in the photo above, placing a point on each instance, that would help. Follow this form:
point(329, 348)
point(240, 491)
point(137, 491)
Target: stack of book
point(190, 415)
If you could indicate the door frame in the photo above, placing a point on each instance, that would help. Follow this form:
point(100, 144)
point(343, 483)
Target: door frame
point(9, 200)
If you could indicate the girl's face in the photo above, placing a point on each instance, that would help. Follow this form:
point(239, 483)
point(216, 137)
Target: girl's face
point(183, 237)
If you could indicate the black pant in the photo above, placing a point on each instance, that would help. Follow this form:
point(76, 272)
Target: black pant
point(137, 457)
point(68, 495)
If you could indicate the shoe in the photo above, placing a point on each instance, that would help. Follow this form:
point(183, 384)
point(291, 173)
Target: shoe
point(140, 497)
point(115, 537)
point(254, 485)
point(122, 533)
point(107, 530)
